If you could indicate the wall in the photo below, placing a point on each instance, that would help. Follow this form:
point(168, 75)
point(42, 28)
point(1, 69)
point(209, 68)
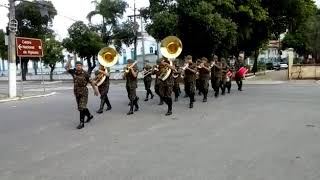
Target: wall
point(305, 71)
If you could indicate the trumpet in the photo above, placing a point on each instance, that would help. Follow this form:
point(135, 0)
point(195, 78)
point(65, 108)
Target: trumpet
point(185, 66)
point(146, 73)
point(131, 66)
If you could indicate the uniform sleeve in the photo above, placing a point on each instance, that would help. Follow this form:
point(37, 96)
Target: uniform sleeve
point(71, 71)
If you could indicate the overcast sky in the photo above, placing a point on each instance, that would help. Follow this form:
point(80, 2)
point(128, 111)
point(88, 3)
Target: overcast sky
point(73, 9)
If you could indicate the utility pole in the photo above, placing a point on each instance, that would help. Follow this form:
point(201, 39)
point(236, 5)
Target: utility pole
point(136, 31)
point(12, 50)
point(142, 40)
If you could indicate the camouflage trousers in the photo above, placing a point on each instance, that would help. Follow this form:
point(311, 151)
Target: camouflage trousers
point(131, 93)
point(147, 82)
point(203, 86)
point(190, 88)
point(103, 91)
point(81, 95)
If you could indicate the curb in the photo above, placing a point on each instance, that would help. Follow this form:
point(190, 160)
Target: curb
point(28, 97)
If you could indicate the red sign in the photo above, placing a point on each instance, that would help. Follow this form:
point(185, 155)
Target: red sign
point(29, 47)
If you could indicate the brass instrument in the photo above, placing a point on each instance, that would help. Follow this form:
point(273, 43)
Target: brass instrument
point(107, 57)
point(171, 47)
point(131, 66)
point(146, 73)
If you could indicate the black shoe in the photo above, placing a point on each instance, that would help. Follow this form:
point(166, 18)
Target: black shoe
point(130, 112)
point(223, 93)
point(146, 99)
point(191, 105)
point(228, 92)
point(204, 100)
point(89, 119)
point(169, 113)
point(160, 103)
point(80, 126)
point(136, 108)
point(176, 99)
point(100, 111)
point(109, 108)
point(152, 96)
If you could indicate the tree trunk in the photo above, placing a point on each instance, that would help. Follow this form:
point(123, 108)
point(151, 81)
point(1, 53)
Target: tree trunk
point(24, 68)
point(91, 65)
point(52, 67)
point(255, 64)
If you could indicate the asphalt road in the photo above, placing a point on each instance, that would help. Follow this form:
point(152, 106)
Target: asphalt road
point(266, 132)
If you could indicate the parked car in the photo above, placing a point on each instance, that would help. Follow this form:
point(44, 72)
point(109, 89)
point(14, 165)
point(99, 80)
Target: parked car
point(276, 66)
point(283, 66)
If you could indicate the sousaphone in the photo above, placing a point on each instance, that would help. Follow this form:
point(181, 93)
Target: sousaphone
point(107, 57)
point(171, 48)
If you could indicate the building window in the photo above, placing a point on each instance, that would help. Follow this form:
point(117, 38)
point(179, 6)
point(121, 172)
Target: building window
point(151, 50)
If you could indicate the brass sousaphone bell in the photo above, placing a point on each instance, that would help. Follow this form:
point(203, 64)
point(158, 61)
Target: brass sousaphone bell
point(107, 57)
point(171, 47)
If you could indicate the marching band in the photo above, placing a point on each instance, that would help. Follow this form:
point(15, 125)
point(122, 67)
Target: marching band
point(168, 76)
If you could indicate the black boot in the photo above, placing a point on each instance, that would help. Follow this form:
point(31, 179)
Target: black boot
point(102, 101)
point(147, 96)
point(191, 101)
point(161, 101)
point(135, 102)
point(131, 108)
point(151, 95)
point(89, 116)
point(81, 125)
point(205, 97)
point(108, 104)
point(169, 103)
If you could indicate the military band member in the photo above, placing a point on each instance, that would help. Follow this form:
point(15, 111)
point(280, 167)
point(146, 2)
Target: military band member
point(190, 79)
point(166, 86)
point(131, 75)
point(147, 72)
point(156, 71)
point(224, 70)
point(104, 89)
point(177, 78)
point(204, 76)
point(81, 78)
point(215, 75)
point(238, 64)
point(229, 79)
point(197, 78)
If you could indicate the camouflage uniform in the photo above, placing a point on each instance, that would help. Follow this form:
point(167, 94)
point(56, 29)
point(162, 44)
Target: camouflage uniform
point(165, 89)
point(198, 83)
point(147, 82)
point(224, 70)
point(177, 80)
point(131, 86)
point(238, 64)
point(157, 82)
point(80, 79)
point(204, 76)
point(103, 90)
point(190, 82)
point(216, 78)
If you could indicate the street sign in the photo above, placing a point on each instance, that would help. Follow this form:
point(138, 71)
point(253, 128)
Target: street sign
point(29, 47)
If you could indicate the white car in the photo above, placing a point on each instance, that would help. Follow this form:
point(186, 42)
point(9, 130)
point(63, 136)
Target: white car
point(283, 66)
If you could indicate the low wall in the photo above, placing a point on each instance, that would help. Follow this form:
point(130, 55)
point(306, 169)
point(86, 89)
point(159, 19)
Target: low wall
point(305, 71)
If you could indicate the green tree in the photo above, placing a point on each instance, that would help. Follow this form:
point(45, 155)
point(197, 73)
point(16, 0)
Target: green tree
point(85, 42)
point(35, 21)
point(113, 32)
point(3, 48)
point(52, 54)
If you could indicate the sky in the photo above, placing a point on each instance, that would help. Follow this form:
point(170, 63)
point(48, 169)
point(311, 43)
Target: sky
point(68, 12)
point(76, 10)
